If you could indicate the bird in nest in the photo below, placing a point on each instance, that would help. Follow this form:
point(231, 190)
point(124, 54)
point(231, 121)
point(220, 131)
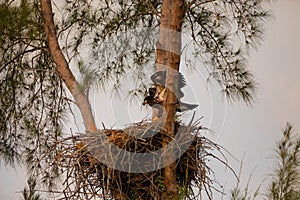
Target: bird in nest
point(159, 80)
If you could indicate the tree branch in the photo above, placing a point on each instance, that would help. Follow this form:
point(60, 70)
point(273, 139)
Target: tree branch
point(63, 68)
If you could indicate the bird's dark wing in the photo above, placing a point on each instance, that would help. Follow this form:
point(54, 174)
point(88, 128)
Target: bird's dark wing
point(180, 94)
point(151, 101)
point(181, 81)
point(152, 91)
point(148, 100)
point(159, 77)
point(180, 107)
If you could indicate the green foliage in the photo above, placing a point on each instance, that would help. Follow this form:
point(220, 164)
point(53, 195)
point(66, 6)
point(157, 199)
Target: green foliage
point(238, 194)
point(29, 192)
point(32, 96)
point(286, 178)
point(183, 193)
point(223, 32)
point(160, 183)
point(122, 36)
point(17, 22)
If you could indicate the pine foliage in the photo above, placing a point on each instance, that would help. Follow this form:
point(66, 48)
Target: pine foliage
point(286, 178)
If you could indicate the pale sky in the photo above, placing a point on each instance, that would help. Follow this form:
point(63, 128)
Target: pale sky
point(276, 66)
point(242, 130)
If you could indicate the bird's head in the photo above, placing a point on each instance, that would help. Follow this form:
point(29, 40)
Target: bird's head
point(159, 77)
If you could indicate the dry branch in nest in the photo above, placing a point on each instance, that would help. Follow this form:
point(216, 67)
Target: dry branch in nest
point(127, 164)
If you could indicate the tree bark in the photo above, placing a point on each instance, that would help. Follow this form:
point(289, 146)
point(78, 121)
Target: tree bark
point(168, 58)
point(63, 68)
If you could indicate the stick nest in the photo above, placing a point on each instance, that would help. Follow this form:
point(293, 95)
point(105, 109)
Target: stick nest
point(98, 165)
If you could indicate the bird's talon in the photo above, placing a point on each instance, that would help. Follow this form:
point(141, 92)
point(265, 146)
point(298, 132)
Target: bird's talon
point(155, 119)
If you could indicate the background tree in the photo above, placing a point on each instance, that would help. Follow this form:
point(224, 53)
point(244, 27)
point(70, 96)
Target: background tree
point(32, 95)
point(286, 177)
point(29, 193)
point(36, 69)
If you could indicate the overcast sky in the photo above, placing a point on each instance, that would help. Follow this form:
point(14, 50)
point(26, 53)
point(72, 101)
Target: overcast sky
point(276, 66)
point(242, 130)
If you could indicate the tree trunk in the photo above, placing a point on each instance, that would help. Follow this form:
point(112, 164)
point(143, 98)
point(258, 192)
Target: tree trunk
point(168, 58)
point(63, 68)
point(67, 76)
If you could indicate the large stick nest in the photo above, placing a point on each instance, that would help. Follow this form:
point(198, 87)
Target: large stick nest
point(101, 165)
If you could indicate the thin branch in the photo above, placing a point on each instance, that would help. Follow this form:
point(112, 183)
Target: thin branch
point(198, 4)
point(17, 56)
